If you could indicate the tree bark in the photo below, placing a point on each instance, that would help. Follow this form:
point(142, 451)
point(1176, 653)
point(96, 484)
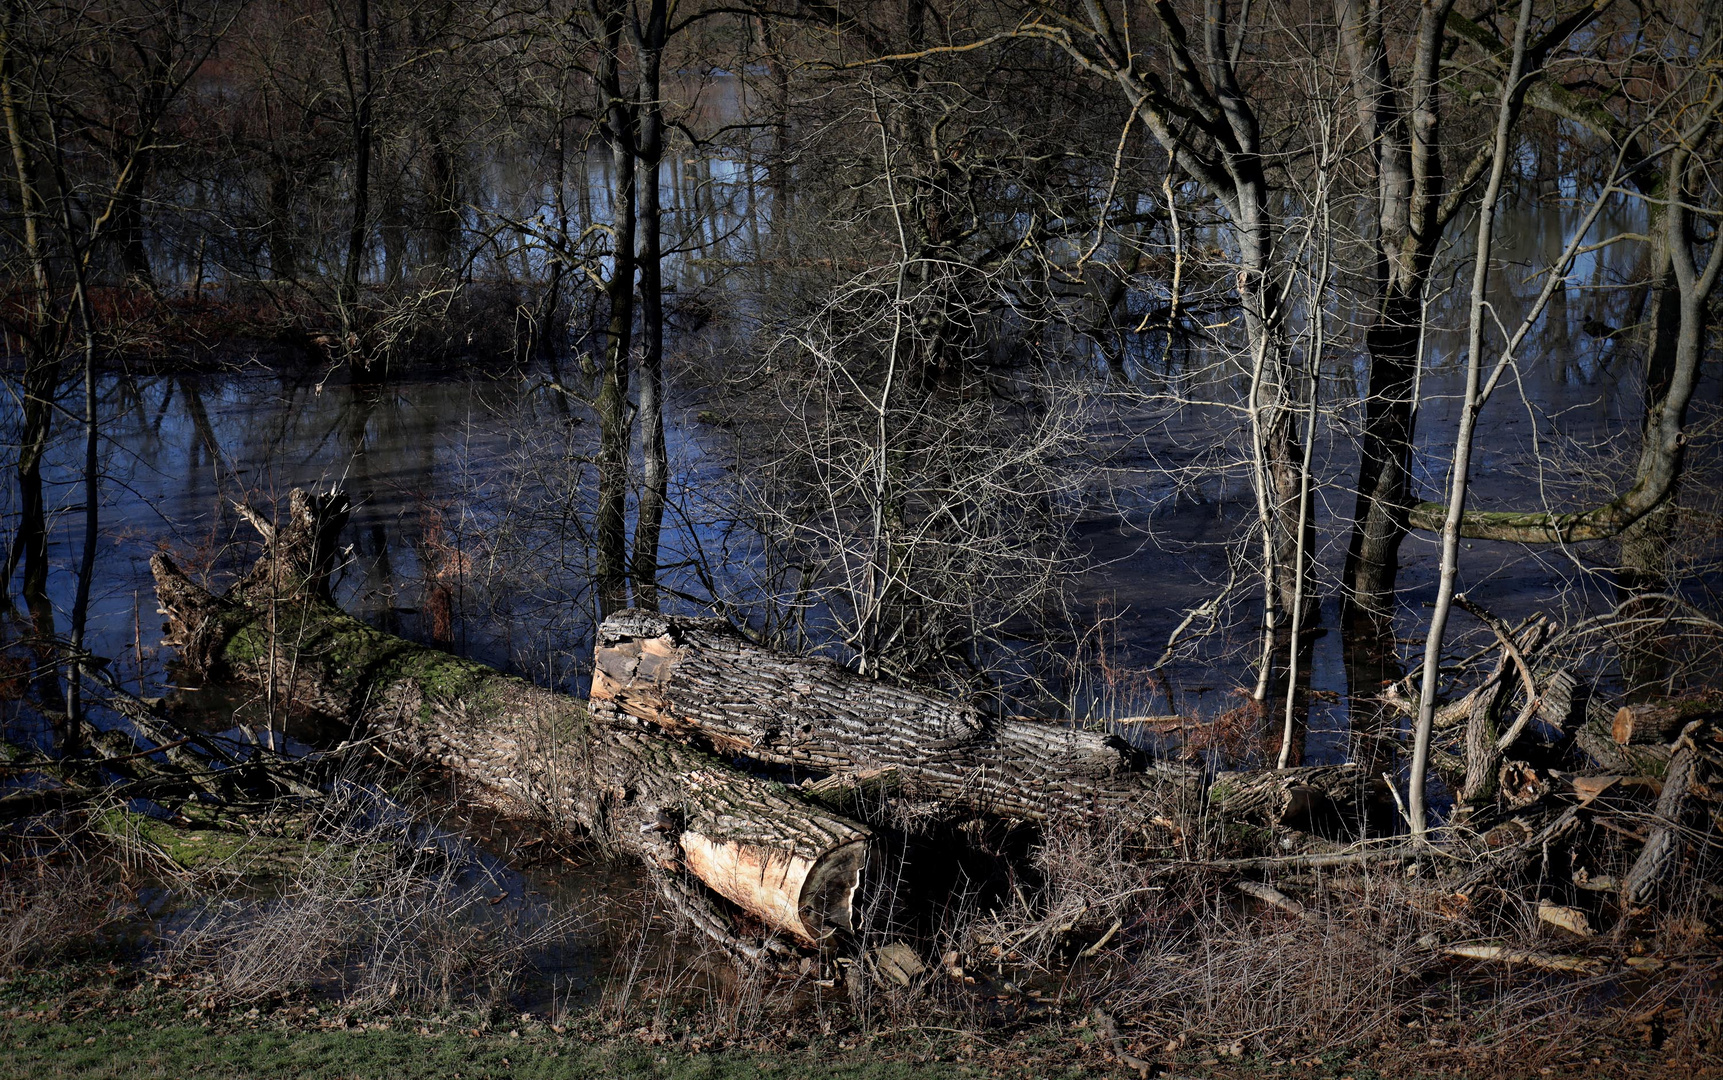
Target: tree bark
point(359, 99)
point(1293, 796)
point(610, 523)
point(42, 348)
point(1666, 842)
point(699, 679)
point(655, 475)
point(793, 865)
point(1636, 724)
point(1454, 511)
point(1414, 206)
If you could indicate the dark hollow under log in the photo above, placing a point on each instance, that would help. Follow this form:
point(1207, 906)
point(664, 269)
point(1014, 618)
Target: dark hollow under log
point(791, 863)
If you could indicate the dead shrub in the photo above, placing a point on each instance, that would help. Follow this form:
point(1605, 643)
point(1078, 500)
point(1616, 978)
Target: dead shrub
point(1090, 887)
point(1224, 976)
point(50, 908)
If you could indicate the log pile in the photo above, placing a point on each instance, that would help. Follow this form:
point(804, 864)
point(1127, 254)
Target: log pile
point(702, 680)
point(750, 781)
point(1587, 802)
point(1660, 722)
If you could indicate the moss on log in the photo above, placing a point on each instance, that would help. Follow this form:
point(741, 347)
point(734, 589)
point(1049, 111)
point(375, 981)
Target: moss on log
point(792, 864)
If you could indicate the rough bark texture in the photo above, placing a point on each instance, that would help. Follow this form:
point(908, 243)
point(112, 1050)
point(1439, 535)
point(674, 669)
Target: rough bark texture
point(1294, 797)
point(1484, 712)
point(610, 524)
point(655, 475)
point(700, 679)
point(1666, 842)
point(792, 864)
point(1400, 119)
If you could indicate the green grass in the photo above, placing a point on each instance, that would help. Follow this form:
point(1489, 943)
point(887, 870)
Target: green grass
point(96, 1048)
point(96, 1022)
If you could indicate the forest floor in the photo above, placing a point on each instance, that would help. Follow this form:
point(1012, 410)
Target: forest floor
point(98, 1020)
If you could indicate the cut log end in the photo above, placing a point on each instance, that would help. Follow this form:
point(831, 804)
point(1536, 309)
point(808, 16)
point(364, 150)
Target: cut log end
point(810, 896)
point(1660, 722)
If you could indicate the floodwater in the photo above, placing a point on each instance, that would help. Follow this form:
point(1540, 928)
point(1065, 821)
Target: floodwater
point(472, 482)
point(473, 485)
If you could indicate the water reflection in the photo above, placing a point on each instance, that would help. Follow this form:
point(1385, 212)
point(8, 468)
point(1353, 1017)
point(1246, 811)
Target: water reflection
point(471, 491)
point(468, 529)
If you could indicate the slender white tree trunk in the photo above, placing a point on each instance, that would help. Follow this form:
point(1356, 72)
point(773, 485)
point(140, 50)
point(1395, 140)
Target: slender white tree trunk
point(1460, 476)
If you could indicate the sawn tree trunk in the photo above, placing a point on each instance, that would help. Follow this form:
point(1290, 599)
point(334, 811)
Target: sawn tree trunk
point(790, 863)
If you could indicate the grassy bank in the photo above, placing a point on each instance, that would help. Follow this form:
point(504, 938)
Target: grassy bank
point(98, 1022)
point(135, 1047)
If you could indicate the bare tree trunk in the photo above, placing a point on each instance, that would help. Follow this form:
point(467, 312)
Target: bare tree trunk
point(129, 225)
point(30, 543)
point(1402, 127)
point(1667, 840)
point(278, 232)
point(71, 737)
point(548, 326)
point(42, 353)
point(442, 180)
point(1469, 407)
point(31, 523)
point(1305, 528)
point(655, 476)
point(359, 93)
point(611, 522)
point(1384, 479)
point(1644, 545)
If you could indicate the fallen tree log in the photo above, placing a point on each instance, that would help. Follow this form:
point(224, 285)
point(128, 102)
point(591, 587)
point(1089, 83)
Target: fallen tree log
point(1692, 767)
point(1662, 721)
point(701, 679)
point(792, 864)
point(1295, 796)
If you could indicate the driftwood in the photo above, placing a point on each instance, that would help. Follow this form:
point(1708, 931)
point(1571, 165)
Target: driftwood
point(794, 865)
point(702, 680)
point(1507, 954)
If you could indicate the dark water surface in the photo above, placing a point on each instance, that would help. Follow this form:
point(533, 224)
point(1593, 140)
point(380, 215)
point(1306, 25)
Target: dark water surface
point(472, 485)
point(473, 482)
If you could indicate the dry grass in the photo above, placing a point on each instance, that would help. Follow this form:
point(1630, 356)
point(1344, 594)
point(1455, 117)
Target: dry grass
point(383, 913)
point(1183, 968)
point(52, 907)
